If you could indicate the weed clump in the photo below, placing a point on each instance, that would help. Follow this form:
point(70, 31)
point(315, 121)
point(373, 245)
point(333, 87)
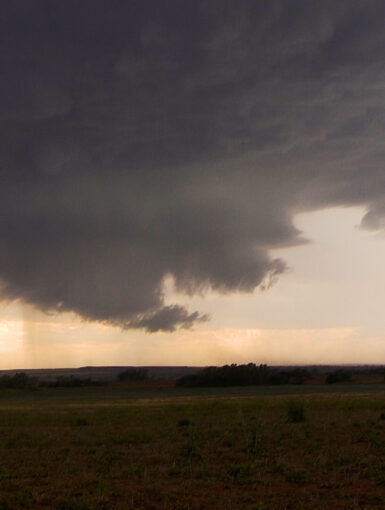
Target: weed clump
point(255, 440)
point(296, 412)
point(190, 450)
point(74, 505)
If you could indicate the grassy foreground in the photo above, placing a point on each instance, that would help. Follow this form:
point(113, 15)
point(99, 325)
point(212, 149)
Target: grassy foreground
point(83, 449)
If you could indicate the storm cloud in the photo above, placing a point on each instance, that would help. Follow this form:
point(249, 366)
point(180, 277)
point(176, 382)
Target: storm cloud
point(144, 140)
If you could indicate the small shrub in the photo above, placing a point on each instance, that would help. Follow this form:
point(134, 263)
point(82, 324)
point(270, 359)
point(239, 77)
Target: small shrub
point(241, 472)
point(174, 470)
point(81, 422)
point(24, 498)
point(190, 450)
point(296, 476)
point(74, 505)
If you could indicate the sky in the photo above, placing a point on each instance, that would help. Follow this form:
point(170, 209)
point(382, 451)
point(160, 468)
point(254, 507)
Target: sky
point(192, 183)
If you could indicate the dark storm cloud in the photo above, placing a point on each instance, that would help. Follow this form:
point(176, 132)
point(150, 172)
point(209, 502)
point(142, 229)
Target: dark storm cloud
point(147, 139)
point(167, 318)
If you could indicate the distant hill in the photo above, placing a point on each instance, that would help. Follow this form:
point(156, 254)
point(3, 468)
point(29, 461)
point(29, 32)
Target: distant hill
point(102, 373)
point(319, 373)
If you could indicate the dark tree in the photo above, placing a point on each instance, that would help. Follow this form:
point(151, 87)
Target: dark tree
point(338, 376)
point(133, 374)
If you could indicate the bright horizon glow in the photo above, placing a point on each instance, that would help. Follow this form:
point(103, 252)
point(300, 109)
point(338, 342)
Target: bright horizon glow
point(327, 309)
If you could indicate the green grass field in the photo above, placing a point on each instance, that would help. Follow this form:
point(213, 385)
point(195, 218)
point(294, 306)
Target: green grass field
point(240, 448)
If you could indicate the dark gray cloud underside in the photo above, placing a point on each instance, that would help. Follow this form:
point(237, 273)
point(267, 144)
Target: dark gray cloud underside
point(148, 139)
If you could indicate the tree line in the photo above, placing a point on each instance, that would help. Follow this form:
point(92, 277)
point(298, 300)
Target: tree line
point(20, 380)
point(245, 375)
point(256, 375)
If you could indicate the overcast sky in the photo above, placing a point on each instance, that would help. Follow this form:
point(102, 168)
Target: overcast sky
point(192, 182)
